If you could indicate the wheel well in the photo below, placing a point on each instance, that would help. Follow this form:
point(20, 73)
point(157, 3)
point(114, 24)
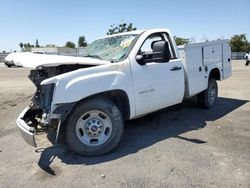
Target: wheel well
point(215, 73)
point(118, 98)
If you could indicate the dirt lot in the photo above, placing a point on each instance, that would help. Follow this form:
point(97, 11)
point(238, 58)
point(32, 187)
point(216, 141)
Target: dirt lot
point(182, 146)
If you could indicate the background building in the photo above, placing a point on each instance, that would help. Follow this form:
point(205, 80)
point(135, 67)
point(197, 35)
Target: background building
point(55, 50)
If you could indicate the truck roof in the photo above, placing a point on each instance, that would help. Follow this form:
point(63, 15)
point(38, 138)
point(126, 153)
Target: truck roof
point(208, 43)
point(136, 32)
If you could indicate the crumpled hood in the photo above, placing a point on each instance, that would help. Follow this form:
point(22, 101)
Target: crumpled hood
point(32, 60)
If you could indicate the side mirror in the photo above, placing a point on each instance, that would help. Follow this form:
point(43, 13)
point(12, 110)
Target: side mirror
point(161, 48)
point(161, 53)
point(140, 59)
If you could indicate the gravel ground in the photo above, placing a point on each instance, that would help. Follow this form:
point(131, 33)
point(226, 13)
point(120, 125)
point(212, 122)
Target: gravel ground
point(181, 146)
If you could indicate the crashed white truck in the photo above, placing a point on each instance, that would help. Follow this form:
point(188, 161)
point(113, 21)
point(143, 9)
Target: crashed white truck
point(122, 77)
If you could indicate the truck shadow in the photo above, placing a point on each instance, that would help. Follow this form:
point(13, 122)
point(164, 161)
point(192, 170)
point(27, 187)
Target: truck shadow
point(146, 131)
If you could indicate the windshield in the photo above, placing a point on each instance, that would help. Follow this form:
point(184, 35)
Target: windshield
point(111, 48)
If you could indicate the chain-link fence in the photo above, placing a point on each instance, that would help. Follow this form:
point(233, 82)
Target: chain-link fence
point(238, 55)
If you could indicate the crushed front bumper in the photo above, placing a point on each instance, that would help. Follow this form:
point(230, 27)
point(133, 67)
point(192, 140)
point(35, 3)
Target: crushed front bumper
point(27, 131)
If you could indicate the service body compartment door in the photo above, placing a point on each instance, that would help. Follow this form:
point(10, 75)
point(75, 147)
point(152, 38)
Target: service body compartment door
point(227, 67)
point(213, 54)
point(195, 71)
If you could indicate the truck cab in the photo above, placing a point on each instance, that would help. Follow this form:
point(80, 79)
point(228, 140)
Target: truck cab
point(123, 76)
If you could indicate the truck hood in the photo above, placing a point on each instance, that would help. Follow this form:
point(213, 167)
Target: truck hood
point(32, 60)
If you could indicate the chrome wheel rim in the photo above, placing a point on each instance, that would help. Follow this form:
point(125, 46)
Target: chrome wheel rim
point(94, 128)
point(212, 94)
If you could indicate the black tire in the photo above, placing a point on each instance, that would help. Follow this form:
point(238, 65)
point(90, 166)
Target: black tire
point(247, 63)
point(108, 110)
point(207, 98)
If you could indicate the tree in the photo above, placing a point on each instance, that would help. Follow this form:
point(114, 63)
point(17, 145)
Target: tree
point(37, 44)
point(239, 43)
point(28, 45)
point(181, 41)
point(70, 44)
point(82, 41)
point(247, 48)
point(21, 45)
point(123, 27)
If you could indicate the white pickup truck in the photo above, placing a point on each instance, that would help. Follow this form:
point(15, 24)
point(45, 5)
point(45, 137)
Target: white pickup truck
point(122, 77)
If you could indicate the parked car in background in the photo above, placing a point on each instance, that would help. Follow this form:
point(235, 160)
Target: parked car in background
point(13, 59)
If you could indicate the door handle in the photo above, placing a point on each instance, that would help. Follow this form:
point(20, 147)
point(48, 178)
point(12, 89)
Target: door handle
point(175, 68)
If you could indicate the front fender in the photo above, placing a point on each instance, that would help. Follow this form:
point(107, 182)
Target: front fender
point(75, 89)
point(76, 85)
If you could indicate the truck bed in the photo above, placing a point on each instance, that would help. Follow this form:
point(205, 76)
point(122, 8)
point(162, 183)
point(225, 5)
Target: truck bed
point(199, 59)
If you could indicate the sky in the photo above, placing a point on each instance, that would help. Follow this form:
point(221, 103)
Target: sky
point(59, 21)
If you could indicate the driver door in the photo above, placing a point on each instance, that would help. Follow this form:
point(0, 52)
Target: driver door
point(157, 85)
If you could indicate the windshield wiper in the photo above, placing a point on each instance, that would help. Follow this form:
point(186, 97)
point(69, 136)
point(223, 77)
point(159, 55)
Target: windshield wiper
point(94, 56)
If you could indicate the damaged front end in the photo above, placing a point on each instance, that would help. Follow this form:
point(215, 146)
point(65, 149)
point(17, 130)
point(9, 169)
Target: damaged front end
point(37, 117)
point(27, 122)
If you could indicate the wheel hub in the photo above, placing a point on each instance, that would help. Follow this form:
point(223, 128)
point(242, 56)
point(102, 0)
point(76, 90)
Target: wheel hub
point(94, 127)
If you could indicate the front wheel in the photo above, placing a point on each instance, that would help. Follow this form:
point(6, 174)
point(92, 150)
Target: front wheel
point(207, 98)
point(94, 127)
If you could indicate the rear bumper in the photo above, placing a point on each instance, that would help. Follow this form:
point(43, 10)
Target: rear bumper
point(27, 131)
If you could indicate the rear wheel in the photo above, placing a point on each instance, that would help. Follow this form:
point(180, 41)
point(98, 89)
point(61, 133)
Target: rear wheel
point(94, 127)
point(207, 98)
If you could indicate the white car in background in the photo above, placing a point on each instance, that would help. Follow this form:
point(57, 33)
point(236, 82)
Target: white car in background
point(13, 59)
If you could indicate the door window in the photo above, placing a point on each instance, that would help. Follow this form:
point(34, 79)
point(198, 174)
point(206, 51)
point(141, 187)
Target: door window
point(148, 43)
